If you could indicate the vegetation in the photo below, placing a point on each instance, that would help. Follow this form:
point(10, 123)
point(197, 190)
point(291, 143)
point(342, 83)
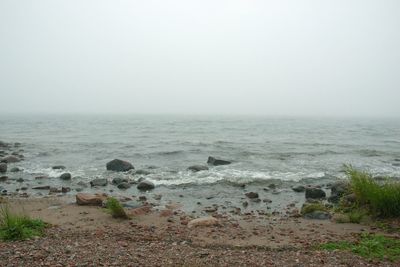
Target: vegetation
point(115, 208)
point(370, 246)
point(379, 199)
point(18, 227)
point(311, 207)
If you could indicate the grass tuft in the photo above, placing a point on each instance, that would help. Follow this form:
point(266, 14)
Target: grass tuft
point(370, 247)
point(18, 227)
point(311, 207)
point(116, 209)
point(380, 199)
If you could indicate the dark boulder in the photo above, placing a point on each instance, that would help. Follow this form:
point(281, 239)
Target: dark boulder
point(3, 167)
point(252, 195)
point(216, 162)
point(65, 176)
point(99, 182)
point(42, 187)
point(3, 178)
point(299, 188)
point(145, 185)
point(315, 193)
point(119, 165)
point(10, 159)
point(124, 185)
point(197, 168)
point(118, 181)
point(58, 167)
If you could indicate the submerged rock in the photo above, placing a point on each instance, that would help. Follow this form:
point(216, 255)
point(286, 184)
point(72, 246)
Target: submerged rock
point(3, 178)
point(15, 169)
point(124, 185)
point(216, 162)
point(90, 199)
point(58, 167)
point(119, 165)
point(315, 193)
point(42, 187)
point(99, 182)
point(145, 185)
point(142, 172)
point(10, 159)
point(299, 188)
point(119, 180)
point(252, 195)
point(197, 168)
point(65, 176)
point(3, 167)
point(205, 221)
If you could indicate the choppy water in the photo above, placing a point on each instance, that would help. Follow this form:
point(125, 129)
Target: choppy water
point(261, 148)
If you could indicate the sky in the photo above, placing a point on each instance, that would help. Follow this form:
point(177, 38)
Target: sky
point(286, 57)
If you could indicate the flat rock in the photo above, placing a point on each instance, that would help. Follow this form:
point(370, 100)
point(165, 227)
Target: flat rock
point(90, 199)
point(197, 168)
point(119, 165)
point(202, 222)
point(145, 185)
point(99, 182)
point(216, 162)
point(42, 187)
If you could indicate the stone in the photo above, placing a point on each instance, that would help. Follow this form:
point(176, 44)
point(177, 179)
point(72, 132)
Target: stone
point(15, 169)
point(99, 182)
point(58, 167)
point(90, 199)
point(20, 180)
point(3, 178)
point(65, 189)
point(119, 180)
point(145, 185)
point(10, 159)
point(83, 184)
point(203, 222)
point(299, 188)
point(338, 189)
point(317, 215)
point(42, 187)
point(252, 195)
point(124, 185)
point(3, 167)
point(65, 176)
point(396, 164)
point(197, 168)
point(216, 162)
point(315, 193)
point(119, 165)
point(142, 172)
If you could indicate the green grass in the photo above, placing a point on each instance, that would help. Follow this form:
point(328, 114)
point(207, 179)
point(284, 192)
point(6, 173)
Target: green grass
point(18, 227)
point(379, 199)
point(115, 208)
point(311, 207)
point(355, 216)
point(370, 247)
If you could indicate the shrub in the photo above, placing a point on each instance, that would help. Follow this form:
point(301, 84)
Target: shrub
point(18, 227)
point(380, 199)
point(370, 246)
point(115, 208)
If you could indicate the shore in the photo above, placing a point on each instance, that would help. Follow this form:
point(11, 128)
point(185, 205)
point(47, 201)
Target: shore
point(89, 236)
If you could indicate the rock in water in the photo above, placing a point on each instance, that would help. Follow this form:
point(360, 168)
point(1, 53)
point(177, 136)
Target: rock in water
point(124, 185)
point(15, 169)
point(90, 199)
point(299, 188)
point(205, 221)
point(197, 168)
point(10, 159)
point(119, 165)
point(3, 167)
point(65, 176)
point(145, 185)
point(58, 167)
point(215, 162)
point(119, 180)
point(315, 193)
point(252, 195)
point(99, 182)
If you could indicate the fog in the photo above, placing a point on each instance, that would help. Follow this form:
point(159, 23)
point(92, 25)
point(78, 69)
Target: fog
point(306, 58)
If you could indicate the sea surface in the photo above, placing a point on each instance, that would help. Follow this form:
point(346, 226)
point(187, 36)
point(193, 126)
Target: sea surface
point(262, 149)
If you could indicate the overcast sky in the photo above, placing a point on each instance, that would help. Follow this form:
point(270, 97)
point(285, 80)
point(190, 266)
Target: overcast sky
point(334, 58)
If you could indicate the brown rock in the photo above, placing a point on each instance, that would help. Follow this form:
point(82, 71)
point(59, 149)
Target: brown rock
point(90, 199)
point(205, 221)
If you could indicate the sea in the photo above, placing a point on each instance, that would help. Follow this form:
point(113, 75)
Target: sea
point(263, 150)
